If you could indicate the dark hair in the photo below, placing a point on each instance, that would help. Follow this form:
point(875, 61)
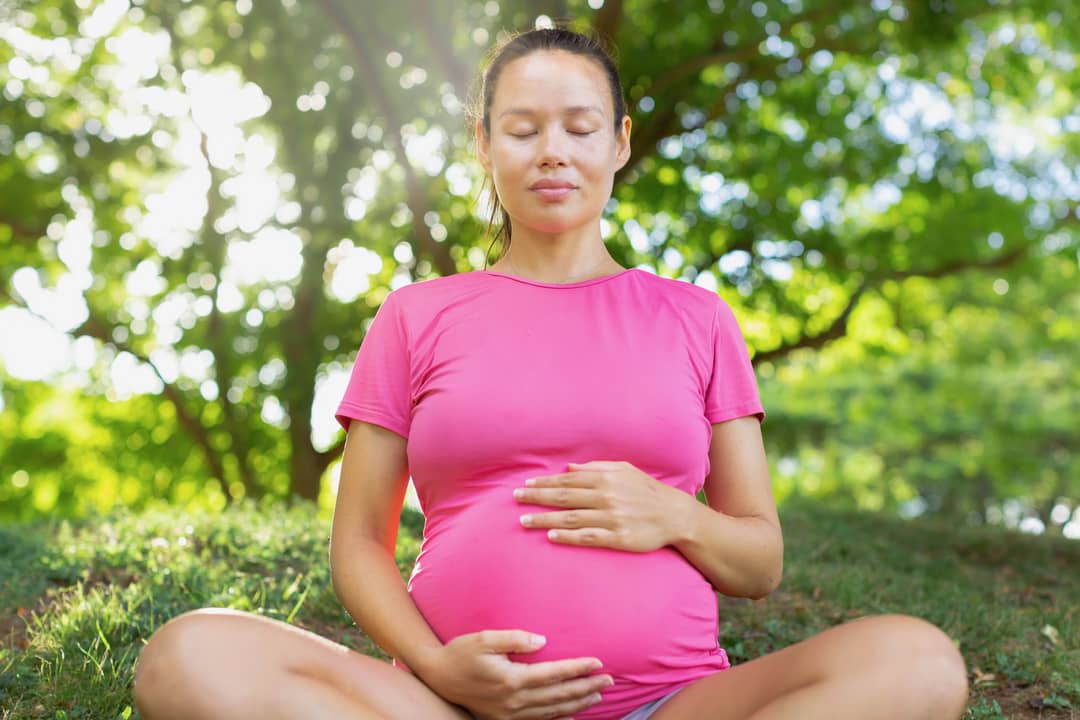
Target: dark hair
point(519, 45)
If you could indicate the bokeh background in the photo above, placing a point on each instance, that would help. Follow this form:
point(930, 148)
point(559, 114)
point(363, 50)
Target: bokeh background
point(203, 203)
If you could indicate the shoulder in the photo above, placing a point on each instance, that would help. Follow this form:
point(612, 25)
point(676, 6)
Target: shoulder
point(431, 291)
point(682, 294)
point(421, 302)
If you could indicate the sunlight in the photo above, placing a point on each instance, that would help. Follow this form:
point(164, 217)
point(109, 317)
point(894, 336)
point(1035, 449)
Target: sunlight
point(329, 389)
point(197, 126)
point(352, 268)
point(218, 102)
point(41, 351)
point(425, 150)
point(272, 255)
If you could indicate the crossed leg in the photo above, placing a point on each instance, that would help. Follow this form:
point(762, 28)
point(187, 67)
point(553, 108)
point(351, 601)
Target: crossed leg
point(216, 663)
point(886, 667)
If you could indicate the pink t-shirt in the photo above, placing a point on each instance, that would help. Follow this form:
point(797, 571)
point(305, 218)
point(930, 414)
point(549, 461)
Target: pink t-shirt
point(494, 379)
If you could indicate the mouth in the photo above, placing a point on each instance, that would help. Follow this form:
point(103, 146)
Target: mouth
point(553, 193)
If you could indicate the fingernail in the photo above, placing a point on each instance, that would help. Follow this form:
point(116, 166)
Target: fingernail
point(537, 639)
point(595, 697)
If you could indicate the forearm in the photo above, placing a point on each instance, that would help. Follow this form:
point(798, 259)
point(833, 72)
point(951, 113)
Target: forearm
point(367, 582)
point(740, 556)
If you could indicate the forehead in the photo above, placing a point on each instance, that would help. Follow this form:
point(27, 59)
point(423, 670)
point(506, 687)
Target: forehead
point(545, 81)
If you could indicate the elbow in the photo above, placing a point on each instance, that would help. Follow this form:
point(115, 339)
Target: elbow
point(345, 555)
point(766, 588)
point(771, 580)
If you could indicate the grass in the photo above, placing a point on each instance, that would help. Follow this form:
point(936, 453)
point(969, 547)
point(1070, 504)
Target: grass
point(79, 599)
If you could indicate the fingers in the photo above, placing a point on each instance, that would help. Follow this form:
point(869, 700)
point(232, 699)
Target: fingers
point(542, 690)
point(558, 710)
point(556, 688)
point(561, 699)
point(588, 536)
point(570, 690)
point(541, 674)
point(561, 496)
point(506, 641)
point(567, 519)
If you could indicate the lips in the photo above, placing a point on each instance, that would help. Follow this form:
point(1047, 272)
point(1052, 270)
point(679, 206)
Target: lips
point(550, 184)
point(552, 189)
point(553, 193)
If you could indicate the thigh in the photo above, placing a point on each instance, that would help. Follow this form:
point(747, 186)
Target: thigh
point(900, 656)
point(214, 658)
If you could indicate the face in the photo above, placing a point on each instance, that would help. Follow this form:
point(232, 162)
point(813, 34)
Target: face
point(552, 118)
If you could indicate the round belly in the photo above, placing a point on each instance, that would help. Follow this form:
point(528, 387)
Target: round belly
point(637, 612)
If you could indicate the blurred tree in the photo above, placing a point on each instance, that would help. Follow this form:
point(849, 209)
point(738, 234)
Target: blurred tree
point(220, 183)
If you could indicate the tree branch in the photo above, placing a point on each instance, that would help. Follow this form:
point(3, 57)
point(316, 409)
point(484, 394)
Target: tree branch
point(449, 64)
point(95, 328)
point(22, 232)
point(1009, 258)
point(370, 78)
point(215, 244)
point(666, 123)
point(720, 56)
point(838, 328)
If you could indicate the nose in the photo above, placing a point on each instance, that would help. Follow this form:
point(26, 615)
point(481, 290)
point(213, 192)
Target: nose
point(552, 149)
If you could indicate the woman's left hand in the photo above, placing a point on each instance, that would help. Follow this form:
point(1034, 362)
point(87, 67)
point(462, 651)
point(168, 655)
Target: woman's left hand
point(614, 505)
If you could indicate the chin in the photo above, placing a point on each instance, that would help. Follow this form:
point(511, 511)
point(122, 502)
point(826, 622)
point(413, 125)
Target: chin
point(556, 222)
point(549, 227)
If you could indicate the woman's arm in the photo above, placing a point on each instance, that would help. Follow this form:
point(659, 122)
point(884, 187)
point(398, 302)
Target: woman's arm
point(374, 478)
point(736, 541)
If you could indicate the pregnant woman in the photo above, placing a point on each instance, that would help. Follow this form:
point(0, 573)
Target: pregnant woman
point(557, 414)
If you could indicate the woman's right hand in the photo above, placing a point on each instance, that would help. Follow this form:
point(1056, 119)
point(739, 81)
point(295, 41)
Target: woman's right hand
point(473, 671)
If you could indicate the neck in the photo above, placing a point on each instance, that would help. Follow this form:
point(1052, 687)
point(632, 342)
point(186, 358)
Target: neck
point(558, 259)
point(594, 271)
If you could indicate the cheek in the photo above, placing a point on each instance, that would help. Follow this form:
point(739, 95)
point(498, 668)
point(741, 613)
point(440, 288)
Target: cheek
point(597, 160)
point(507, 150)
point(509, 162)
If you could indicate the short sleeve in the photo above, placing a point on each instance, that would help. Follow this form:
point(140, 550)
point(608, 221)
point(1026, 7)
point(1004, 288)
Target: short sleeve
point(732, 391)
point(379, 389)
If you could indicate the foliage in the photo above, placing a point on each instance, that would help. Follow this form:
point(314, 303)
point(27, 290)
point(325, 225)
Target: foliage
point(884, 191)
point(965, 410)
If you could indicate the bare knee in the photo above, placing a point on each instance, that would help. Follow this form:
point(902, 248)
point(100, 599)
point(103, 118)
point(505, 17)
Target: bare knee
point(921, 658)
point(166, 666)
point(943, 670)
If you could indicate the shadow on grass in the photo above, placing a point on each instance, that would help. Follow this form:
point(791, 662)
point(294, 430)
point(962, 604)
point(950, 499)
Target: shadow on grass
point(28, 571)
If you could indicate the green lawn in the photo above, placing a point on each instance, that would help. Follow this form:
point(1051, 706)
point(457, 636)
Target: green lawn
point(78, 600)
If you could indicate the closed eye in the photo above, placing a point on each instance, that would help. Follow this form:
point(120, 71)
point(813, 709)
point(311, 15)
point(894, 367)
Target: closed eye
point(590, 132)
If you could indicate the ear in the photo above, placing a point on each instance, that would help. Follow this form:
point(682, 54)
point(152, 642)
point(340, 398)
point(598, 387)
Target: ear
point(622, 143)
point(482, 146)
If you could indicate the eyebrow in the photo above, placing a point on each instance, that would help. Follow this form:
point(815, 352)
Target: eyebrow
point(572, 110)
